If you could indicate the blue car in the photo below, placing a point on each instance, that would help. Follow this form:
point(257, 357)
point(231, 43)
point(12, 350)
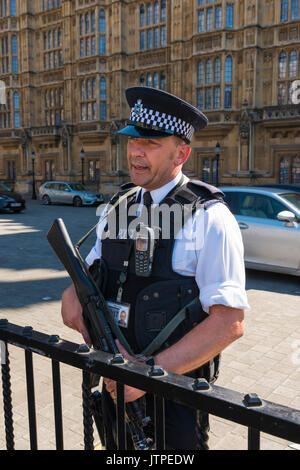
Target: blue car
point(64, 192)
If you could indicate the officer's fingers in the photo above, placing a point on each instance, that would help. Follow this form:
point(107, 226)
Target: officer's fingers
point(132, 394)
point(123, 351)
point(110, 385)
point(86, 336)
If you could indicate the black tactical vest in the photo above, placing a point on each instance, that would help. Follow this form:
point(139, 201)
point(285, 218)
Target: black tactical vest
point(155, 300)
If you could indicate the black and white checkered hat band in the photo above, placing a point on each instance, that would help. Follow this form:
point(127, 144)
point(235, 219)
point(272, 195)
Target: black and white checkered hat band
point(161, 121)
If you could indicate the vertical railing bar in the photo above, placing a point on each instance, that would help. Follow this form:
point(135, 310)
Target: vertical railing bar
point(31, 400)
point(57, 405)
point(121, 422)
point(159, 411)
point(253, 438)
point(87, 411)
point(7, 401)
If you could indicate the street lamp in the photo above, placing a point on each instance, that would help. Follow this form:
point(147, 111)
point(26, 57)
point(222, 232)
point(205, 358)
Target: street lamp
point(82, 155)
point(33, 179)
point(217, 153)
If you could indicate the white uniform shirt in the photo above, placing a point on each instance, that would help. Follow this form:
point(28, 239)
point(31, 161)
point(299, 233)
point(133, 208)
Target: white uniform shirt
point(216, 258)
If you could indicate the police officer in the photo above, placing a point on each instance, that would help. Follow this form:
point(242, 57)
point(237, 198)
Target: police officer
point(197, 276)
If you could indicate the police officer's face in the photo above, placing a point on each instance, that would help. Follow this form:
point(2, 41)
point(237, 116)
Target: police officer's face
point(154, 162)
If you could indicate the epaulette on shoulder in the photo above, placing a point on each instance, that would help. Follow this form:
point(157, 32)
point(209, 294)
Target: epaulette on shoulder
point(210, 189)
point(123, 189)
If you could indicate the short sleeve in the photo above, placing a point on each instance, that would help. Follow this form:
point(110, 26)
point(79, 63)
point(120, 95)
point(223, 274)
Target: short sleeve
point(96, 251)
point(220, 270)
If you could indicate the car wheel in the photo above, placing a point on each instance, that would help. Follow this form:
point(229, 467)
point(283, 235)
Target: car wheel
point(46, 200)
point(77, 202)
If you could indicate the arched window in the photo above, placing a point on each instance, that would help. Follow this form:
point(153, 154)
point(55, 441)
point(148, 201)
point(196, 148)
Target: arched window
point(162, 81)
point(16, 102)
point(296, 171)
point(156, 80)
point(228, 69)
point(200, 73)
point(149, 14)
point(14, 45)
point(142, 80)
point(282, 65)
point(102, 88)
point(93, 22)
point(217, 70)
point(94, 88)
point(102, 25)
point(163, 11)
point(293, 64)
point(88, 89)
point(14, 51)
point(102, 30)
point(200, 98)
point(295, 9)
point(283, 171)
point(149, 79)
point(284, 10)
point(81, 25)
point(13, 8)
point(142, 16)
point(229, 15)
point(156, 13)
point(87, 23)
point(208, 71)
point(103, 99)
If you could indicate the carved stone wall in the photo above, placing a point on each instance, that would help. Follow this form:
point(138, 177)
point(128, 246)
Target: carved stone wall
point(254, 45)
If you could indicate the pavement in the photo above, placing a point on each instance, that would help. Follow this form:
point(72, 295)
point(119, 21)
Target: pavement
point(266, 360)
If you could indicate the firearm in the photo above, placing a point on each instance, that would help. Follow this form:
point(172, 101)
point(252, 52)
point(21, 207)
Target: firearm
point(95, 314)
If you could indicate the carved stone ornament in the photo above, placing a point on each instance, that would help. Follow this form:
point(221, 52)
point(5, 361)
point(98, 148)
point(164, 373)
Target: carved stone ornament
point(25, 138)
point(65, 134)
point(245, 122)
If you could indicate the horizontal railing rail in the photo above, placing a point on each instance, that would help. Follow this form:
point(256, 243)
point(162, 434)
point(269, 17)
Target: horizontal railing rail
point(249, 410)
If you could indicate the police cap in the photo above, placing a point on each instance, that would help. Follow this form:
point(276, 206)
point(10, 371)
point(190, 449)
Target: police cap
point(156, 113)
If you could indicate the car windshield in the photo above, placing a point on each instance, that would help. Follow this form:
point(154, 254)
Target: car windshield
point(3, 187)
point(292, 198)
point(78, 187)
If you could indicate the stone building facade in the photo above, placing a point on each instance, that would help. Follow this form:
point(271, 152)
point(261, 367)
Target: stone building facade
point(65, 65)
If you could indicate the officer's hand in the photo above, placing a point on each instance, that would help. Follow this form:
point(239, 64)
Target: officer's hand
point(71, 312)
point(130, 393)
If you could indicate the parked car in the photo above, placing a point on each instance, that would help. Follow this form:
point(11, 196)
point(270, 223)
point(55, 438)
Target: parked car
point(11, 201)
point(269, 219)
point(66, 192)
point(291, 187)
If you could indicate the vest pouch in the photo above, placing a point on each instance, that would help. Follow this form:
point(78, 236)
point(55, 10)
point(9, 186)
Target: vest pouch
point(158, 303)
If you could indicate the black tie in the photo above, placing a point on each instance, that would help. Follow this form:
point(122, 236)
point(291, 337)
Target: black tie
point(147, 198)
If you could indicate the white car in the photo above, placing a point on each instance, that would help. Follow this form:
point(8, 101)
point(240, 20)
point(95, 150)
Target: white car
point(269, 219)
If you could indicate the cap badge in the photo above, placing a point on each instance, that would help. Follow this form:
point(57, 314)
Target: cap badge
point(138, 107)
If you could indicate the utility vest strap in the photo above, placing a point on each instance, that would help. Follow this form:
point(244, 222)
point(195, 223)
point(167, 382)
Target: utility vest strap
point(162, 337)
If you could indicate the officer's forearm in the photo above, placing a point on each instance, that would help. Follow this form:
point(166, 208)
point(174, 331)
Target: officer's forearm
point(223, 326)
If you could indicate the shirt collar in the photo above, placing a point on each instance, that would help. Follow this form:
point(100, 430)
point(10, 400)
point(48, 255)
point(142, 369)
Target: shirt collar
point(160, 193)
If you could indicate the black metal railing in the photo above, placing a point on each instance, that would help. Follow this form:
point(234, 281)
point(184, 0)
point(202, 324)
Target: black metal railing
point(248, 410)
